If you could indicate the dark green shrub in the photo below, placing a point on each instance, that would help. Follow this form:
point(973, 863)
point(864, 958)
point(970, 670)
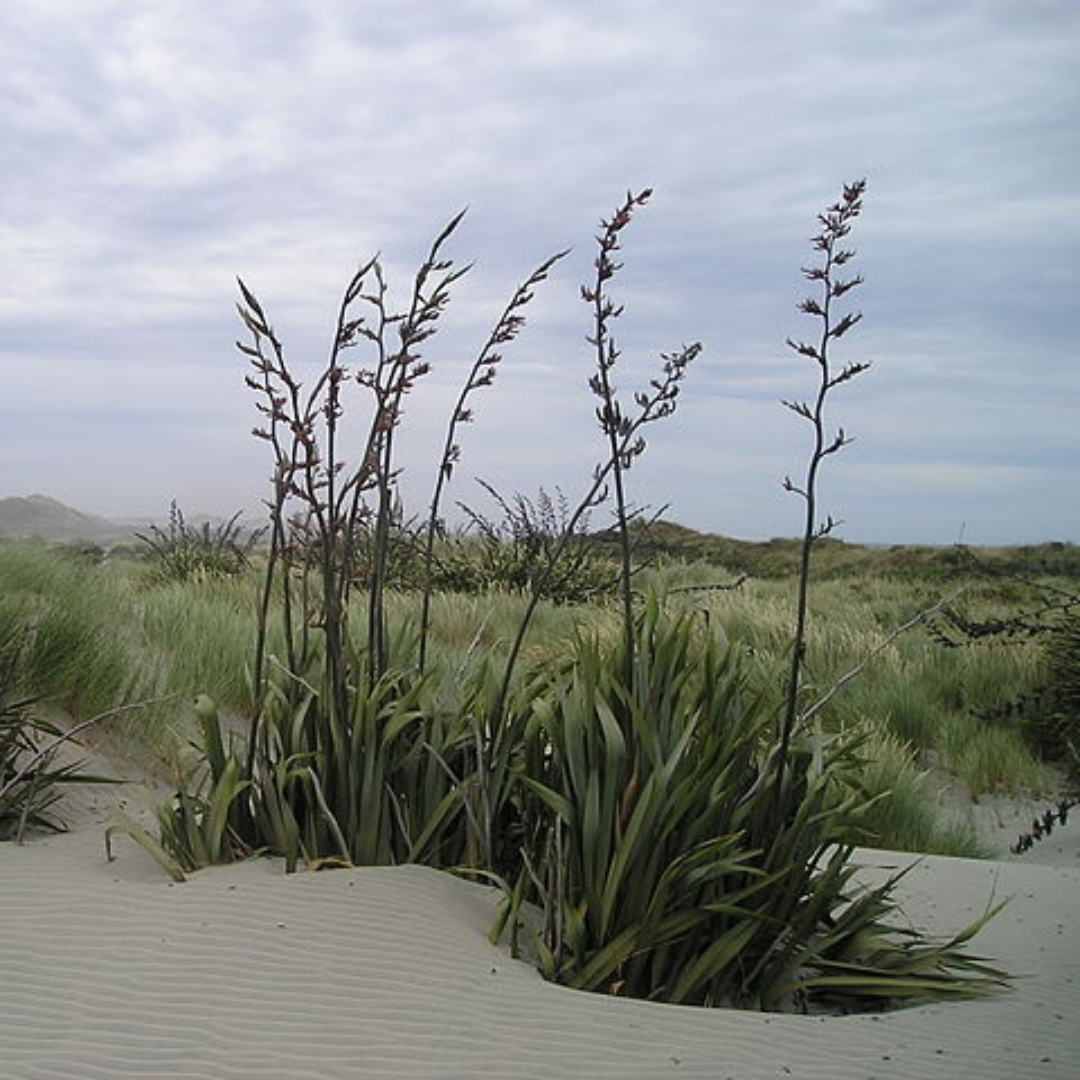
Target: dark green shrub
point(514, 552)
point(1053, 724)
point(183, 552)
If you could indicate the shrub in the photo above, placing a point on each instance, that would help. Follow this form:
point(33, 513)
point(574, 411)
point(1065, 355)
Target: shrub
point(1054, 725)
point(512, 553)
point(182, 552)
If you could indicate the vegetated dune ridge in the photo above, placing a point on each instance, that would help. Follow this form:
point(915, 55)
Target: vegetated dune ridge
point(109, 970)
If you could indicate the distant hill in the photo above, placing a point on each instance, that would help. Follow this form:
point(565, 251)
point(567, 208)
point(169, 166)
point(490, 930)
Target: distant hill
point(834, 558)
point(48, 519)
point(40, 517)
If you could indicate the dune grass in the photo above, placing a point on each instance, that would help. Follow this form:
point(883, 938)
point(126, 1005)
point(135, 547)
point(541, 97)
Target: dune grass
point(77, 653)
point(934, 700)
point(116, 633)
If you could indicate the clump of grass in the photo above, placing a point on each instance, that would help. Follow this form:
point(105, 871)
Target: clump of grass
point(71, 655)
point(101, 636)
point(31, 781)
point(988, 758)
point(908, 711)
point(903, 809)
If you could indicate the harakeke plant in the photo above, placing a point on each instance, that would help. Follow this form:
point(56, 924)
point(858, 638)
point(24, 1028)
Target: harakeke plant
point(631, 794)
point(677, 845)
point(668, 873)
point(182, 552)
point(345, 756)
point(613, 423)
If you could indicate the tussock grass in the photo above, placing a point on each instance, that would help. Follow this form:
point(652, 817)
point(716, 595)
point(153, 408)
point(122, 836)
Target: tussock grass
point(201, 636)
point(989, 758)
point(74, 656)
point(111, 634)
point(932, 699)
point(907, 812)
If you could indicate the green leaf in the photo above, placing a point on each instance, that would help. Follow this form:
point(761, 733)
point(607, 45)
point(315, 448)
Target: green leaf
point(137, 833)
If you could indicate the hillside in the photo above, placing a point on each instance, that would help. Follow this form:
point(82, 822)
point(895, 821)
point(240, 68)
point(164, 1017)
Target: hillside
point(834, 558)
point(48, 519)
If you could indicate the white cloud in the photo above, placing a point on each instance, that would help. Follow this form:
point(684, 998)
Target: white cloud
point(157, 151)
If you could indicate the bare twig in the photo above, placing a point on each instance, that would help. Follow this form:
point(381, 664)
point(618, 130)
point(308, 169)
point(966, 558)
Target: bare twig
point(715, 586)
point(876, 651)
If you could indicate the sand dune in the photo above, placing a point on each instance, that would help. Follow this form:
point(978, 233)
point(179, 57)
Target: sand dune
point(109, 970)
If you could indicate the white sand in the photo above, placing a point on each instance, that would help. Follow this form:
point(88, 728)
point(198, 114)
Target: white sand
point(110, 971)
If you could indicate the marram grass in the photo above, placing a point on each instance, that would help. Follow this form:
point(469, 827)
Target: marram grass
point(113, 633)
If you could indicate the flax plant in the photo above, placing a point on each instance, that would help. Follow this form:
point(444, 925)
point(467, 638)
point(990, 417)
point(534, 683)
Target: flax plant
point(629, 793)
point(694, 890)
point(181, 552)
point(613, 423)
point(343, 756)
point(676, 845)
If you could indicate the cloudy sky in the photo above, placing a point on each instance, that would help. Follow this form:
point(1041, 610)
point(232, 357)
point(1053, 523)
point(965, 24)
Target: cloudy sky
point(154, 151)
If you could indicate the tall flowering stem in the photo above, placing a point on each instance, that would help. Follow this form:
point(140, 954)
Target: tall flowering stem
point(613, 422)
point(836, 223)
point(623, 431)
point(481, 374)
